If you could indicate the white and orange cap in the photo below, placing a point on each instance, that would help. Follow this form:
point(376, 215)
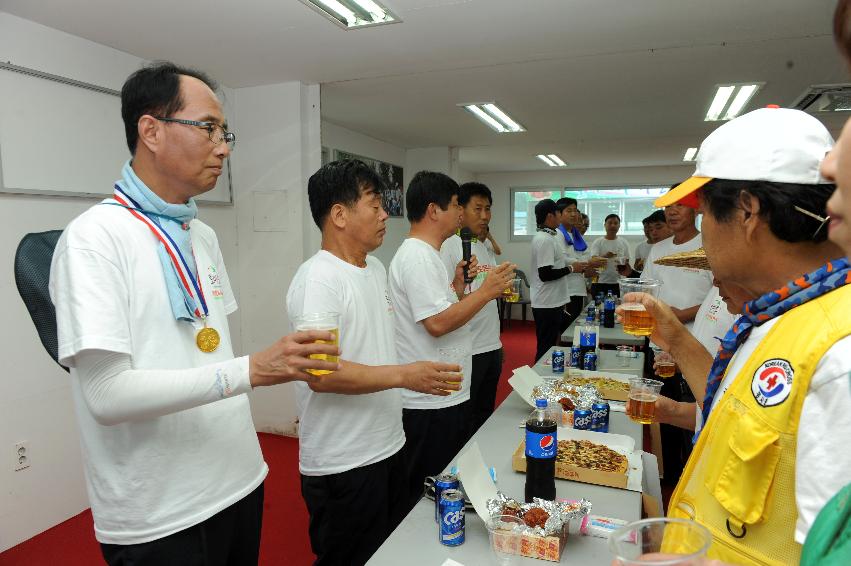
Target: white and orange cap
point(774, 144)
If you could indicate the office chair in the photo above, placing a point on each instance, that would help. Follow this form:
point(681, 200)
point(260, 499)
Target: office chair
point(32, 274)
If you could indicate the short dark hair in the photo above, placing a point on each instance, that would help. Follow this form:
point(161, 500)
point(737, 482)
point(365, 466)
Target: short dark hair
point(655, 216)
point(611, 216)
point(777, 202)
point(584, 216)
point(428, 187)
point(340, 182)
point(473, 189)
point(154, 89)
point(564, 202)
point(544, 208)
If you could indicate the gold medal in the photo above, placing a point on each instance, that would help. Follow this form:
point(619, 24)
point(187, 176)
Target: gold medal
point(207, 339)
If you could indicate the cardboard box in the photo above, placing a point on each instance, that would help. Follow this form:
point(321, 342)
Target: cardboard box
point(610, 393)
point(543, 548)
point(630, 480)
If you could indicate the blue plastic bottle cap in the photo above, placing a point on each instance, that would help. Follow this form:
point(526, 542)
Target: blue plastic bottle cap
point(541, 403)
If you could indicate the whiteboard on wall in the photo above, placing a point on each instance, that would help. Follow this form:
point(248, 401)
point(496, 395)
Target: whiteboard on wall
point(64, 139)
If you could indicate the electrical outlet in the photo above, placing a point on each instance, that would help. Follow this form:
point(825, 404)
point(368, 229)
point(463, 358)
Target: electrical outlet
point(21, 456)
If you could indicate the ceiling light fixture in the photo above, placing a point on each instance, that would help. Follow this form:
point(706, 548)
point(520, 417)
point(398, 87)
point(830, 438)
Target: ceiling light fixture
point(730, 100)
point(690, 154)
point(552, 160)
point(493, 116)
point(353, 14)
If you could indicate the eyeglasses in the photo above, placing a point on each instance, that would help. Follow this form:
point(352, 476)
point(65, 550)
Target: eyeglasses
point(215, 132)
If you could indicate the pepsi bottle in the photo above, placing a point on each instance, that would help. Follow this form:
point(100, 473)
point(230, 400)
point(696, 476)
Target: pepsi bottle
point(541, 447)
point(587, 340)
point(609, 311)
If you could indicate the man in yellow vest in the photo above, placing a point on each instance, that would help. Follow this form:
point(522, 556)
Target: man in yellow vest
point(770, 443)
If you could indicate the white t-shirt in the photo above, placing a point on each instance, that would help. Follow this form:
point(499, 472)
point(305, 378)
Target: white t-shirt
point(642, 250)
point(340, 432)
point(712, 321)
point(546, 251)
point(575, 281)
point(419, 289)
point(822, 430)
point(484, 326)
point(600, 247)
point(151, 478)
point(682, 287)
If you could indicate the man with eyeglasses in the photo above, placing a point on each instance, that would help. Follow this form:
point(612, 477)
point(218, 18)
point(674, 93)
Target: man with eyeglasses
point(173, 466)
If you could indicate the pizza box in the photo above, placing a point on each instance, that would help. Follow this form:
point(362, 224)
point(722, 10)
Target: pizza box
point(610, 393)
point(479, 487)
point(617, 442)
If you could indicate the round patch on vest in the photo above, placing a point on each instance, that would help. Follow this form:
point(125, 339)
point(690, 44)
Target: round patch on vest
point(772, 382)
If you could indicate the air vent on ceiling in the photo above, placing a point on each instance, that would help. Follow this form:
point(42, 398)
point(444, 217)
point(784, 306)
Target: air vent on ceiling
point(825, 98)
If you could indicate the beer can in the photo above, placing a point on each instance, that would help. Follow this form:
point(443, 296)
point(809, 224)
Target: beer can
point(441, 484)
point(575, 353)
point(451, 528)
point(589, 362)
point(600, 416)
point(558, 361)
point(582, 419)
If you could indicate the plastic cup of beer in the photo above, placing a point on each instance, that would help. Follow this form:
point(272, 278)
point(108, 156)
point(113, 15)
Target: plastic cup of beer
point(643, 394)
point(453, 355)
point(661, 541)
point(328, 321)
point(511, 294)
point(636, 319)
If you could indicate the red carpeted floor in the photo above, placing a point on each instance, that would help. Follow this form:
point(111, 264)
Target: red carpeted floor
point(72, 543)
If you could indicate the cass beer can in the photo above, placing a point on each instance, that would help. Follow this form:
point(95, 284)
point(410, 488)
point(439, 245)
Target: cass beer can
point(590, 361)
point(558, 361)
point(582, 419)
point(575, 353)
point(441, 484)
point(600, 416)
point(451, 528)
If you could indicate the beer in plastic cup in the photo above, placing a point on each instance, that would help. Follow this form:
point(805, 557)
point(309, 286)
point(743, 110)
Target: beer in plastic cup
point(511, 294)
point(643, 394)
point(666, 369)
point(636, 319)
point(328, 321)
point(453, 355)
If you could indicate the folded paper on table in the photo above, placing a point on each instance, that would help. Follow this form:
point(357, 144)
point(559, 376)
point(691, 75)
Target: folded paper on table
point(524, 380)
point(478, 484)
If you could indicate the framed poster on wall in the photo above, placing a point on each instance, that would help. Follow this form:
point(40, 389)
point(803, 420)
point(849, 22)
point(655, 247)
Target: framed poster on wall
point(393, 199)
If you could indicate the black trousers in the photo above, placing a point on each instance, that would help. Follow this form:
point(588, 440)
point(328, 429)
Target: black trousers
point(231, 537)
point(549, 326)
point(574, 308)
point(434, 437)
point(353, 512)
point(484, 380)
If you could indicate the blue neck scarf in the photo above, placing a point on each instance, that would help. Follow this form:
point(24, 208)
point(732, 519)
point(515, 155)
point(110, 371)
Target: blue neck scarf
point(174, 220)
point(831, 276)
point(573, 238)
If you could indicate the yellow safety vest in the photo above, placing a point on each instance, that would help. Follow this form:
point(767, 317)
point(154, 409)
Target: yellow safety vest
point(740, 479)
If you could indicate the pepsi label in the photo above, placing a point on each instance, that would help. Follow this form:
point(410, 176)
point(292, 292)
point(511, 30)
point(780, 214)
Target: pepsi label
point(581, 420)
point(541, 446)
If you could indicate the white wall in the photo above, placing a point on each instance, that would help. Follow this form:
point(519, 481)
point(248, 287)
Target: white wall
point(501, 183)
point(262, 237)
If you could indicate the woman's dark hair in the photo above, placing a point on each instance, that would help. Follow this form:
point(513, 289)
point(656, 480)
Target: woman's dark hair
point(154, 89)
point(777, 202)
point(842, 28)
point(428, 187)
point(472, 189)
point(340, 182)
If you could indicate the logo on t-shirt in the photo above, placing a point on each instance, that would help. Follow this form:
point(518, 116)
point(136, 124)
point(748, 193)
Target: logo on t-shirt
point(390, 308)
point(772, 382)
point(215, 282)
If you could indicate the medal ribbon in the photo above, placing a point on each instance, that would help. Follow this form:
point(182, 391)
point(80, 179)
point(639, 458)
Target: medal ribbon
point(181, 267)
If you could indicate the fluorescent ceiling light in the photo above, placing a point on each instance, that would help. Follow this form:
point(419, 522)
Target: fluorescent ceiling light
point(730, 100)
point(556, 159)
point(552, 160)
point(690, 154)
point(351, 14)
point(493, 116)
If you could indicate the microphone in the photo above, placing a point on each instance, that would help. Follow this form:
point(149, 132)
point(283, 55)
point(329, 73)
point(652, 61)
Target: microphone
point(467, 252)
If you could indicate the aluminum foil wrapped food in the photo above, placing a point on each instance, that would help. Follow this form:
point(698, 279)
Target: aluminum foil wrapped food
point(541, 517)
point(569, 396)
